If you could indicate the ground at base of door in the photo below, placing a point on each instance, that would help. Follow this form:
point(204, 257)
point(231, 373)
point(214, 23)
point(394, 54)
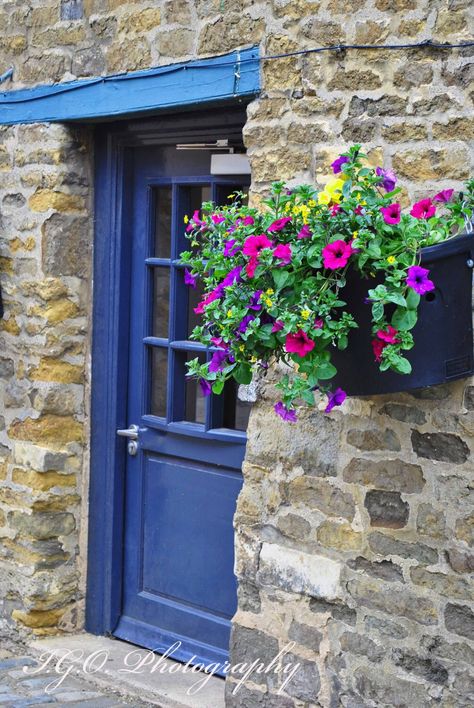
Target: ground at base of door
point(23, 683)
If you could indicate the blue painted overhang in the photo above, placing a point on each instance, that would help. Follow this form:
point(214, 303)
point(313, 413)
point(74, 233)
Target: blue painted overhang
point(195, 82)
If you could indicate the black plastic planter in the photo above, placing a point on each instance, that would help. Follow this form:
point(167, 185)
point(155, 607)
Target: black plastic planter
point(443, 349)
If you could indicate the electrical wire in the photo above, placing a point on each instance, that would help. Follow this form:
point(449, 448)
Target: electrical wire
point(204, 64)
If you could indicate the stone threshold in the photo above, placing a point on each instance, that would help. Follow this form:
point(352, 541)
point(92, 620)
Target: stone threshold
point(161, 688)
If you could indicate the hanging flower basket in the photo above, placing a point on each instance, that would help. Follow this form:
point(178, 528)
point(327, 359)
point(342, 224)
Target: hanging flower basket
point(443, 336)
point(357, 296)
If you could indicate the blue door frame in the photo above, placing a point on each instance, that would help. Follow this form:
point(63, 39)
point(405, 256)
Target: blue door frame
point(112, 259)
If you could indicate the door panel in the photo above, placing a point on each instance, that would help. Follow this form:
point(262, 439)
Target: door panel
point(182, 485)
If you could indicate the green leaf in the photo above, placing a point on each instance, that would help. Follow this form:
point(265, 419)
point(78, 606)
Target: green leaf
point(402, 365)
point(325, 370)
point(396, 298)
point(404, 319)
point(280, 277)
point(413, 299)
point(242, 374)
point(217, 387)
point(377, 311)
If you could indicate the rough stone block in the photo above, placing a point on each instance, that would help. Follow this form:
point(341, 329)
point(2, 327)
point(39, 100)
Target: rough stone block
point(299, 572)
point(387, 545)
point(390, 475)
point(403, 603)
point(386, 509)
point(460, 620)
point(444, 447)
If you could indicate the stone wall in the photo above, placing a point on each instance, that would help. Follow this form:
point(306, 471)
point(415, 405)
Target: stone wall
point(353, 530)
point(46, 264)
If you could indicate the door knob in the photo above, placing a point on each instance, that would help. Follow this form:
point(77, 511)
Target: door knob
point(132, 434)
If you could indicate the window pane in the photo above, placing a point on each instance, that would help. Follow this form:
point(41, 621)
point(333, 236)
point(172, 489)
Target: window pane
point(159, 374)
point(163, 201)
point(194, 298)
point(195, 402)
point(161, 301)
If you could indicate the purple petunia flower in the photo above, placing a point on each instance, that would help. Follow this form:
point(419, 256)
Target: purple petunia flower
point(189, 279)
point(244, 323)
point(232, 277)
point(418, 280)
point(335, 398)
point(217, 361)
point(337, 164)
point(255, 303)
point(389, 179)
point(206, 387)
point(230, 249)
point(285, 413)
point(277, 326)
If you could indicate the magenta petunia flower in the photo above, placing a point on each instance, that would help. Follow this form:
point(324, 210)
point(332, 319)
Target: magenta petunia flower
point(388, 180)
point(444, 196)
point(219, 342)
point(336, 254)
point(217, 218)
point(419, 281)
point(279, 224)
point(304, 232)
point(189, 279)
point(248, 221)
point(277, 326)
point(388, 335)
point(206, 387)
point(283, 253)
point(230, 249)
point(299, 343)
point(378, 346)
point(214, 295)
point(391, 213)
point(253, 245)
point(217, 361)
point(251, 266)
point(424, 209)
point(334, 209)
point(358, 210)
point(285, 413)
point(338, 163)
point(318, 323)
point(335, 398)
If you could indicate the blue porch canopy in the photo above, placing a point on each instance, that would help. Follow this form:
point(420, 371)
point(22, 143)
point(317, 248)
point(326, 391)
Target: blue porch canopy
point(195, 82)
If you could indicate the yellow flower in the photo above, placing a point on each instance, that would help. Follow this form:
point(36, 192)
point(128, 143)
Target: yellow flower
point(270, 291)
point(253, 359)
point(305, 314)
point(296, 210)
point(287, 207)
point(355, 234)
point(312, 203)
point(229, 313)
point(324, 198)
point(334, 188)
point(391, 260)
point(267, 301)
point(186, 219)
point(241, 348)
point(230, 196)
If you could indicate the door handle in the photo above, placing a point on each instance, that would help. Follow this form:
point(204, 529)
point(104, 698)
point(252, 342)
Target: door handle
point(132, 434)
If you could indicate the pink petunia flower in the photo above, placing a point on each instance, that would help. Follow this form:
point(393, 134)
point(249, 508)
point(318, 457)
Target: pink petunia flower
point(335, 398)
point(334, 209)
point(418, 280)
point(358, 210)
point(424, 209)
point(251, 266)
point(336, 254)
point(253, 245)
point(248, 221)
point(217, 218)
point(304, 232)
point(285, 413)
point(277, 326)
point(318, 323)
point(279, 224)
point(299, 343)
point(388, 335)
point(391, 213)
point(283, 253)
point(378, 346)
point(444, 196)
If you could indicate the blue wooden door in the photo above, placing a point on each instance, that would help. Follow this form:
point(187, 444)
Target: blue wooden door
point(183, 481)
